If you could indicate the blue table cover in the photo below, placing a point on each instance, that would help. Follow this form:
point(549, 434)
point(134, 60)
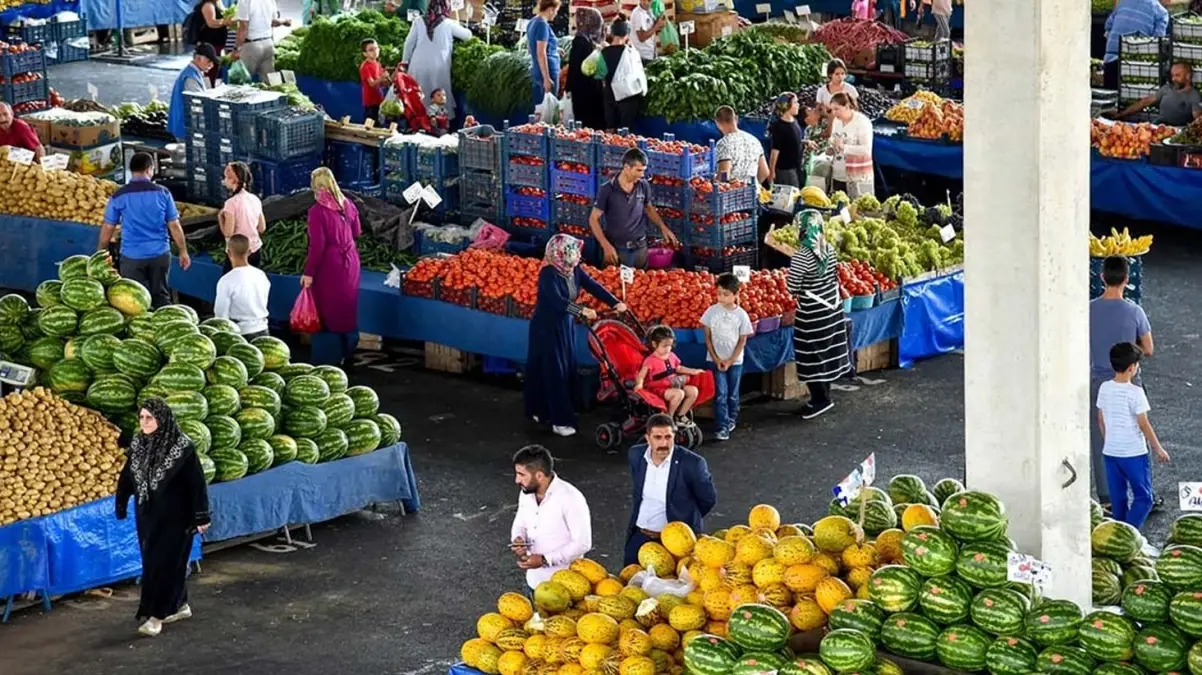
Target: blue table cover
point(113, 14)
point(870, 326)
point(24, 565)
point(933, 321)
point(831, 8)
point(30, 249)
point(300, 494)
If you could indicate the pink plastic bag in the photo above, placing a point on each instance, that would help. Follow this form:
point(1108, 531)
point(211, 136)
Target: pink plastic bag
point(490, 237)
point(304, 318)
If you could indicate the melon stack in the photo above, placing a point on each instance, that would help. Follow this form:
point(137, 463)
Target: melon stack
point(95, 341)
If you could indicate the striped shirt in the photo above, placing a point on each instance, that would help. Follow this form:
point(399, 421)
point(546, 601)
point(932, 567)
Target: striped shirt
point(1131, 17)
point(1121, 404)
point(819, 333)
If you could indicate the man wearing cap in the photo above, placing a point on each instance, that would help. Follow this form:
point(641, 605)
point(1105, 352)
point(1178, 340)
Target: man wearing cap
point(191, 78)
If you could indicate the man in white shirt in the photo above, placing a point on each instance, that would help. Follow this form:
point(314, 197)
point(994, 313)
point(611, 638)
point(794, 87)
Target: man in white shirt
point(645, 30)
point(740, 155)
point(242, 292)
point(256, 49)
point(552, 526)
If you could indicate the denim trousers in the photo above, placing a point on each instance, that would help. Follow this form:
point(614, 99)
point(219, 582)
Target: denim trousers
point(726, 394)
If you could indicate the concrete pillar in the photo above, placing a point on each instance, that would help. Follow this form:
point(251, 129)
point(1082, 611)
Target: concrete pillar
point(1026, 179)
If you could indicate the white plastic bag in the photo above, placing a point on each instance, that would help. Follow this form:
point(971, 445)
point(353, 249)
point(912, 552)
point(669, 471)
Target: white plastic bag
point(629, 79)
point(654, 586)
point(566, 112)
point(547, 112)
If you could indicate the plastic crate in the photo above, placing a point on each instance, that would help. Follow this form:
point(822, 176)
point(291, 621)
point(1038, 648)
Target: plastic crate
point(32, 34)
point(464, 297)
point(685, 165)
point(198, 113)
point(679, 227)
point(1137, 47)
point(1134, 277)
point(204, 185)
point(570, 212)
point(353, 163)
point(434, 164)
point(925, 71)
point(720, 235)
point(236, 118)
point(890, 58)
point(1160, 154)
point(521, 310)
point(918, 50)
point(394, 189)
point(530, 145)
point(481, 148)
point(522, 206)
point(498, 306)
point(1128, 93)
point(670, 196)
point(610, 156)
point(569, 182)
point(26, 62)
point(477, 186)
point(419, 289)
point(16, 94)
point(719, 204)
point(68, 30)
point(196, 148)
point(1189, 32)
point(1140, 73)
point(289, 132)
point(718, 264)
point(568, 150)
point(491, 212)
point(397, 157)
point(1189, 53)
point(65, 53)
point(525, 174)
point(426, 246)
point(537, 235)
point(283, 178)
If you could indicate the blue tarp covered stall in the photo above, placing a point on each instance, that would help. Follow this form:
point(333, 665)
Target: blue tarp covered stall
point(37, 10)
point(30, 249)
point(932, 318)
point(121, 14)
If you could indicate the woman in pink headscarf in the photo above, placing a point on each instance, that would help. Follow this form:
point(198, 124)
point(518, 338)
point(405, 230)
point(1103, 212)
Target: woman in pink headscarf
point(332, 270)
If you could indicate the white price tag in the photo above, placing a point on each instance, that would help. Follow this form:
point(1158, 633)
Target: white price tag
point(790, 17)
point(154, 92)
point(845, 215)
point(947, 233)
point(20, 155)
point(849, 487)
point(687, 27)
point(521, 24)
point(1027, 570)
point(93, 92)
point(456, 5)
point(414, 15)
point(742, 273)
point(413, 193)
point(803, 10)
point(275, 79)
point(289, 76)
point(886, 68)
point(727, 30)
point(627, 274)
point(430, 197)
point(763, 8)
point(489, 17)
point(1189, 496)
point(55, 162)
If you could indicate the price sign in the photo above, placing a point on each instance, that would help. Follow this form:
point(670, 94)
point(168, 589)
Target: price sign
point(1189, 496)
point(414, 15)
point(490, 16)
point(947, 233)
point(20, 155)
point(742, 273)
point(289, 76)
point(93, 92)
point(803, 10)
point(275, 79)
point(413, 193)
point(763, 8)
point(845, 215)
point(849, 487)
point(430, 197)
point(687, 27)
point(55, 162)
point(790, 17)
point(154, 92)
point(887, 68)
point(1027, 570)
point(521, 24)
point(627, 274)
point(456, 5)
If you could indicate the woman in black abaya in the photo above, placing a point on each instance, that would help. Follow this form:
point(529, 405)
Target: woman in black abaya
point(163, 475)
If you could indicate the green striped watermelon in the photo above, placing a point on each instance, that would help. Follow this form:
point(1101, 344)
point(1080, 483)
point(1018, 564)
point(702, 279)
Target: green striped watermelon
point(1105, 565)
point(73, 267)
point(70, 376)
point(223, 399)
point(198, 433)
point(169, 313)
point(129, 297)
point(137, 357)
point(758, 663)
point(13, 309)
point(1064, 660)
point(259, 455)
point(905, 488)
point(59, 321)
point(180, 377)
point(12, 339)
point(1119, 669)
point(102, 320)
point(44, 352)
point(142, 327)
point(126, 421)
point(362, 436)
point(1053, 622)
point(306, 450)
point(48, 293)
point(878, 516)
point(1137, 573)
point(82, 295)
point(100, 268)
point(225, 431)
point(195, 349)
point(752, 626)
point(305, 422)
point(894, 588)
point(1000, 611)
point(152, 391)
point(1180, 566)
point(293, 370)
point(1161, 648)
point(1010, 656)
point(228, 370)
point(804, 665)
point(71, 348)
point(166, 334)
point(910, 635)
point(945, 600)
point(1107, 636)
point(188, 405)
point(207, 467)
point(963, 647)
point(1185, 610)
point(306, 391)
point(256, 423)
point(390, 429)
point(366, 401)
point(334, 376)
point(973, 516)
point(112, 394)
point(99, 352)
point(255, 396)
point(249, 355)
point(225, 341)
point(1107, 588)
point(1147, 601)
point(1096, 514)
point(1187, 529)
point(332, 444)
point(221, 324)
point(983, 564)
point(230, 463)
point(710, 655)
point(272, 381)
point(276, 354)
point(862, 615)
point(1194, 659)
point(339, 409)
point(929, 551)
point(29, 327)
point(284, 449)
point(1117, 540)
point(847, 650)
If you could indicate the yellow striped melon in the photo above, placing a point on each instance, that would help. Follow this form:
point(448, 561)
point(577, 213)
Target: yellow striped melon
point(628, 572)
point(653, 556)
point(597, 628)
point(807, 615)
point(569, 649)
point(678, 538)
point(512, 663)
point(768, 571)
point(637, 665)
point(560, 626)
point(487, 661)
point(788, 530)
point(859, 555)
point(737, 573)
point(734, 533)
point(489, 625)
point(717, 602)
point(828, 562)
point(535, 646)
point(470, 651)
point(634, 642)
point(835, 533)
point(708, 579)
point(634, 594)
point(551, 653)
point(649, 613)
point(744, 594)
point(830, 593)
point(752, 548)
point(589, 569)
point(578, 586)
point(570, 669)
point(511, 639)
point(763, 516)
point(551, 597)
point(719, 628)
point(804, 578)
point(608, 586)
point(593, 656)
point(858, 576)
point(888, 546)
point(714, 552)
point(664, 637)
point(515, 607)
point(778, 595)
point(794, 550)
point(617, 606)
point(918, 514)
point(687, 617)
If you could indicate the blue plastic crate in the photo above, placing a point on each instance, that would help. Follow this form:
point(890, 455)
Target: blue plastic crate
point(236, 118)
point(26, 62)
point(204, 185)
point(570, 213)
point(492, 212)
point(524, 174)
point(580, 152)
point(394, 189)
point(539, 236)
point(678, 228)
point(478, 186)
point(396, 160)
point(426, 246)
point(197, 114)
point(686, 165)
point(719, 204)
point(65, 53)
point(365, 188)
point(68, 30)
point(32, 34)
point(568, 182)
point(610, 156)
point(434, 164)
point(481, 148)
point(283, 178)
point(222, 151)
point(718, 264)
point(196, 148)
point(670, 196)
point(521, 206)
point(16, 94)
point(353, 163)
point(531, 145)
point(289, 132)
point(720, 235)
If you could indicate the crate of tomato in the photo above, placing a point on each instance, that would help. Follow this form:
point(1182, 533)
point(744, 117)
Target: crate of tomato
point(679, 159)
point(860, 282)
point(573, 178)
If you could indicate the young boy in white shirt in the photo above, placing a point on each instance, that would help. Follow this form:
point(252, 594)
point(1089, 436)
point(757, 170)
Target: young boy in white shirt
point(727, 328)
point(1126, 432)
point(242, 292)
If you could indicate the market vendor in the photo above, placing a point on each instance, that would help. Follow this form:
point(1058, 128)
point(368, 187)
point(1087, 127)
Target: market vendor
point(17, 134)
point(191, 78)
point(1131, 17)
point(1179, 103)
point(625, 201)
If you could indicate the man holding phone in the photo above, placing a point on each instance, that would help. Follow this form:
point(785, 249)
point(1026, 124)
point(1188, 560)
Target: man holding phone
point(552, 526)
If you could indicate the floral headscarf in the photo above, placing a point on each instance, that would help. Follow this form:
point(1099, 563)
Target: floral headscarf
point(814, 238)
point(563, 253)
point(436, 11)
point(590, 24)
point(325, 189)
point(155, 458)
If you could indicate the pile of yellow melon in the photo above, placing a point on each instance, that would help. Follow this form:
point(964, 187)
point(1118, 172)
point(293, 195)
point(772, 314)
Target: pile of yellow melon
point(585, 621)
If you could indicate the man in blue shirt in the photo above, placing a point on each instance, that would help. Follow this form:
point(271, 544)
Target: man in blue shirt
point(1131, 17)
point(191, 78)
point(146, 213)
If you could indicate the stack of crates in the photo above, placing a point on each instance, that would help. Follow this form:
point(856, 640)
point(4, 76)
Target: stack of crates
point(219, 128)
point(288, 145)
point(1143, 66)
point(356, 166)
point(435, 167)
point(481, 175)
point(722, 226)
point(670, 174)
point(927, 63)
point(1134, 289)
point(65, 33)
point(527, 181)
point(29, 65)
point(575, 175)
point(396, 168)
point(1186, 34)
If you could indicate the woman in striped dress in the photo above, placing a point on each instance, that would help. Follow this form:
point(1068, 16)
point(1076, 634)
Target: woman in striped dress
point(819, 334)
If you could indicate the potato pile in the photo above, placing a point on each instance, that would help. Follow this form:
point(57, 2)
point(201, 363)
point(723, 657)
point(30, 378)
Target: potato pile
point(53, 455)
point(187, 210)
point(30, 190)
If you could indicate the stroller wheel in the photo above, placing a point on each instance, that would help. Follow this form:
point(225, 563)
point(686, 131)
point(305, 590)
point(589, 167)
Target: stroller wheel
point(684, 436)
point(608, 436)
point(695, 437)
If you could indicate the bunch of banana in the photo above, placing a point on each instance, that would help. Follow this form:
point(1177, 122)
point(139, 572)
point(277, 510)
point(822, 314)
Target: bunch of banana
point(1119, 243)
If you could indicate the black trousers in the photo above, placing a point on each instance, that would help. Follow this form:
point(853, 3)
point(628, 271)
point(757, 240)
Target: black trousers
point(820, 393)
point(151, 273)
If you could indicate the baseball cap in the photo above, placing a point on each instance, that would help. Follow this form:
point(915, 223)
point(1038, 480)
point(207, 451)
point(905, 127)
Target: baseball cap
point(206, 50)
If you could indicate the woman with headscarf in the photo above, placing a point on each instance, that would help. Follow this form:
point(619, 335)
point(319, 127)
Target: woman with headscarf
point(819, 333)
point(550, 357)
point(428, 50)
point(171, 503)
point(332, 270)
point(584, 88)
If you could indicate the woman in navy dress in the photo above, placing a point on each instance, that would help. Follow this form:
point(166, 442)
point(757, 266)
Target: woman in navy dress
point(550, 359)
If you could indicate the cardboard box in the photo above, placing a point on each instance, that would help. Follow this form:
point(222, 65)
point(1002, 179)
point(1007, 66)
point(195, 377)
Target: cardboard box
point(708, 27)
point(40, 126)
point(91, 130)
point(99, 161)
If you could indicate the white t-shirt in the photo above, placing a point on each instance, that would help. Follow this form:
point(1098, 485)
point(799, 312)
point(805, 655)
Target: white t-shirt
point(640, 19)
point(824, 95)
point(726, 327)
point(242, 297)
point(258, 15)
point(1121, 404)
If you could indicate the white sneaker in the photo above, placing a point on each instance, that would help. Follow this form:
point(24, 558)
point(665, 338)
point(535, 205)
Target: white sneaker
point(184, 612)
point(151, 628)
point(563, 431)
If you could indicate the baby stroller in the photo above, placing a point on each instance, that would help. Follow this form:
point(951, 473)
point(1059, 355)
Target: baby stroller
point(620, 347)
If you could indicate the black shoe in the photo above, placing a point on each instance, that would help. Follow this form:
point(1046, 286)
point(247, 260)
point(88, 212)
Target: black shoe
point(1157, 503)
point(810, 411)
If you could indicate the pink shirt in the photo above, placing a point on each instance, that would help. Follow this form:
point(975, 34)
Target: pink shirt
point(859, 9)
point(661, 373)
point(559, 529)
point(246, 209)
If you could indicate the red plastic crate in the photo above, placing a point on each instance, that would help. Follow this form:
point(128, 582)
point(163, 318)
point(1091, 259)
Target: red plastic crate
point(464, 297)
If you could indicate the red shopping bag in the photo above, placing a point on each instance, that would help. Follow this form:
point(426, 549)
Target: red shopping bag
point(304, 318)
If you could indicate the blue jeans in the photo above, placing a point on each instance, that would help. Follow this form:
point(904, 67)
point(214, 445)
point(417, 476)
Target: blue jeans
point(726, 394)
point(1136, 473)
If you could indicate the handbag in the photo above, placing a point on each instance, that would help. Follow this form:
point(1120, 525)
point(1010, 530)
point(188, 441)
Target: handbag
point(629, 79)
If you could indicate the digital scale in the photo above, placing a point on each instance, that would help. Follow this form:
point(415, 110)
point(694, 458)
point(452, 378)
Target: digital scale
point(15, 375)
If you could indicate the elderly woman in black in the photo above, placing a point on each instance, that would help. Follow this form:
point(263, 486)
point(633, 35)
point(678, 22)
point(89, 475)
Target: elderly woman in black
point(163, 475)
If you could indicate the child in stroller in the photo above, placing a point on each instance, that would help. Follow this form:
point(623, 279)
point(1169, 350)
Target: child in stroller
point(663, 375)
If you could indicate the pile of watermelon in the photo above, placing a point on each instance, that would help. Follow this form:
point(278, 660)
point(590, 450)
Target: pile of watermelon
point(95, 341)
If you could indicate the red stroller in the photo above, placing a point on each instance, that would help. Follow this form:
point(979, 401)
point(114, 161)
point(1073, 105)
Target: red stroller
point(620, 347)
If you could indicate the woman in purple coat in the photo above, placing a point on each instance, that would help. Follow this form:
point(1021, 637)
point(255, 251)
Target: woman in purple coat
point(332, 270)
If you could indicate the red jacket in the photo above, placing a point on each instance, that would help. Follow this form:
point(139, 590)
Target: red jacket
point(409, 92)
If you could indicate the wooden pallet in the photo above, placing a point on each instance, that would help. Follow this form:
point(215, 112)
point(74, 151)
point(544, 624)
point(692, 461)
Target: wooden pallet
point(364, 134)
point(449, 360)
point(877, 356)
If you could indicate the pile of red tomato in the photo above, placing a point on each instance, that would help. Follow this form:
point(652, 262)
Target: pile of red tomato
point(857, 278)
